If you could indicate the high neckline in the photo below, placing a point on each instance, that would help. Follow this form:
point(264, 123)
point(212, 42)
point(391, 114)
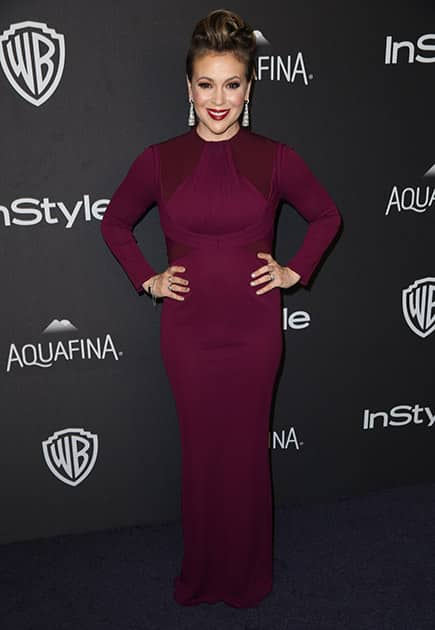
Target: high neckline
point(211, 142)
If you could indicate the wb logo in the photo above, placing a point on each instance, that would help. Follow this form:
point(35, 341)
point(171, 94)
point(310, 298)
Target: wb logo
point(418, 303)
point(70, 454)
point(32, 56)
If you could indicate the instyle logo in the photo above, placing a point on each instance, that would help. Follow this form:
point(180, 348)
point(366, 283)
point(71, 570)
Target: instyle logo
point(398, 416)
point(46, 353)
point(28, 212)
point(290, 68)
point(32, 56)
point(418, 305)
point(413, 198)
point(407, 50)
point(71, 454)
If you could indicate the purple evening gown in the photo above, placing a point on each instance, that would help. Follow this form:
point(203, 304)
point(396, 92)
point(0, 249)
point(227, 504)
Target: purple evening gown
point(222, 345)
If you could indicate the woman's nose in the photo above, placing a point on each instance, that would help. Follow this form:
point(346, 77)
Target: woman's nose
point(218, 98)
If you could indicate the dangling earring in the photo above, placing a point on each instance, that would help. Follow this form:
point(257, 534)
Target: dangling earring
point(245, 119)
point(191, 119)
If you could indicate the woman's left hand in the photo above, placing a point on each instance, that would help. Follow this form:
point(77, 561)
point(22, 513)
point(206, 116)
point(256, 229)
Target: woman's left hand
point(283, 277)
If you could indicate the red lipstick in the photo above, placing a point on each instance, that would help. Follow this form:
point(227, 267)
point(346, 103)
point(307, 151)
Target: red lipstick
point(217, 114)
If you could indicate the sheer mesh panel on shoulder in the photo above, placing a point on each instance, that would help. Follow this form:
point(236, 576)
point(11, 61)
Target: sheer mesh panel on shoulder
point(258, 170)
point(178, 159)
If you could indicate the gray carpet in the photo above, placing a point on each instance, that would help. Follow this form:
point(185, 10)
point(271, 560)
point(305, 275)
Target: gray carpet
point(357, 563)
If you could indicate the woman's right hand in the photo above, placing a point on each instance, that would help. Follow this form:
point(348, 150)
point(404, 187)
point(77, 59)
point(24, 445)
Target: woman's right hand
point(160, 283)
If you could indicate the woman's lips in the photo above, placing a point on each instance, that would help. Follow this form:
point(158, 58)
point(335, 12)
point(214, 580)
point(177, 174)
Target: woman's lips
point(217, 114)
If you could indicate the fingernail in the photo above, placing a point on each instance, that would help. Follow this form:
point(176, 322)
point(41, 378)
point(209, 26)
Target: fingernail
point(253, 274)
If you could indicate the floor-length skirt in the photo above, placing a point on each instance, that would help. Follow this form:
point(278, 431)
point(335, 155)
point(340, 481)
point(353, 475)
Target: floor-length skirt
point(221, 348)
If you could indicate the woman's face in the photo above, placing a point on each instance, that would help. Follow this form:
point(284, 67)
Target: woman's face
point(218, 83)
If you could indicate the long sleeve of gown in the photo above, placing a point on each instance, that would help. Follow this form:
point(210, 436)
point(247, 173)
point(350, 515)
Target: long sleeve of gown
point(298, 186)
point(130, 201)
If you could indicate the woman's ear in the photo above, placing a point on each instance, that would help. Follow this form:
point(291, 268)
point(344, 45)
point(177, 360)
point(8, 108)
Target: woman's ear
point(189, 87)
point(248, 89)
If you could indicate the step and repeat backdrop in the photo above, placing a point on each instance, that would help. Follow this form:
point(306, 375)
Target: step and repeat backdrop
point(90, 438)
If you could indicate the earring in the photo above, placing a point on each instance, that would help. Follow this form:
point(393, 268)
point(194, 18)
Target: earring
point(245, 119)
point(191, 119)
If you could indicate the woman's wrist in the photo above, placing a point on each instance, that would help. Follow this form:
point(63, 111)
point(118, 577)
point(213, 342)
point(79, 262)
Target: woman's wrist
point(294, 275)
point(147, 285)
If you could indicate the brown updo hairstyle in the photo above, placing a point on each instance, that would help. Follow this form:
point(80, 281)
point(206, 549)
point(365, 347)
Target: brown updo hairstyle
point(223, 31)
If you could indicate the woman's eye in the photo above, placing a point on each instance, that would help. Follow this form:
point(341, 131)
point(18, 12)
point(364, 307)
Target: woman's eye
point(235, 84)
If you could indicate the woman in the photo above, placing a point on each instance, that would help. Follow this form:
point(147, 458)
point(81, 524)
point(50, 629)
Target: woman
point(217, 187)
